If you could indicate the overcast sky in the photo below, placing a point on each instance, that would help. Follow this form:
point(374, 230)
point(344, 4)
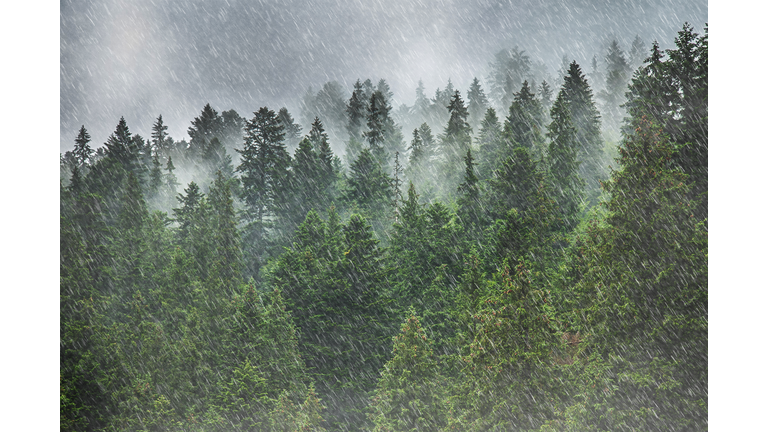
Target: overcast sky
point(142, 58)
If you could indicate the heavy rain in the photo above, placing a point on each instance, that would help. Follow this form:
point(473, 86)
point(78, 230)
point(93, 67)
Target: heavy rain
point(386, 216)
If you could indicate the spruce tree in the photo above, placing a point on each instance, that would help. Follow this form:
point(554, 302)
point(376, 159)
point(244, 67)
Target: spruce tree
point(577, 94)
point(469, 196)
point(204, 127)
point(489, 143)
point(477, 104)
point(455, 141)
point(375, 133)
point(82, 150)
point(356, 112)
point(545, 91)
point(171, 183)
point(160, 139)
point(421, 105)
point(122, 147)
point(615, 86)
point(523, 126)
point(292, 130)
point(562, 163)
point(410, 391)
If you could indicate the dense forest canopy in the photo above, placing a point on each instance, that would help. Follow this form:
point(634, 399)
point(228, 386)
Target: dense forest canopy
point(528, 253)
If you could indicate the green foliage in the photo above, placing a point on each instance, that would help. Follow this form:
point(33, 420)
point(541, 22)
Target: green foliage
point(409, 395)
point(525, 309)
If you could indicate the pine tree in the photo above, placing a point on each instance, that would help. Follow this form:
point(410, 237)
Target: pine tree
point(171, 183)
point(546, 96)
point(562, 163)
point(410, 392)
point(636, 53)
point(369, 186)
point(160, 139)
point(615, 86)
point(122, 147)
point(204, 127)
point(477, 104)
point(227, 261)
point(155, 177)
point(82, 150)
point(455, 141)
point(577, 94)
point(469, 196)
point(292, 130)
point(378, 112)
point(421, 105)
point(512, 343)
point(673, 93)
point(522, 127)
point(489, 143)
point(356, 112)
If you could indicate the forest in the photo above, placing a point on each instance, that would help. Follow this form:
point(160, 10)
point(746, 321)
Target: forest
point(530, 255)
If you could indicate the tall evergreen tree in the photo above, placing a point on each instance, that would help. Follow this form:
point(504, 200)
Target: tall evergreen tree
point(82, 150)
point(292, 129)
point(577, 93)
point(489, 143)
point(637, 54)
point(161, 142)
point(122, 147)
point(264, 165)
point(469, 196)
point(369, 187)
point(673, 92)
point(562, 163)
point(204, 127)
point(545, 91)
point(378, 112)
point(356, 112)
point(410, 393)
point(523, 126)
point(421, 105)
point(455, 141)
point(477, 104)
point(618, 75)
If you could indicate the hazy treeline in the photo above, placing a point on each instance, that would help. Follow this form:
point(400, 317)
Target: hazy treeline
point(466, 263)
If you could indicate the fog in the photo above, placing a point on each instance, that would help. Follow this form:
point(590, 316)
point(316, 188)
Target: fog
point(143, 58)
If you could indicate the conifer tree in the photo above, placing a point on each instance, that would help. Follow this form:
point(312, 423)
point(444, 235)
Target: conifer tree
point(161, 142)
point(562, 165)
point(377, 113)
point(122, 147)
point(477, 104)
point(421, 105)
point(205, 127)
point(637, 53)
point(489, 143)
point(615, 86)
point(82, 150)
point(171, 183)
point(410, 392)
point(512, 345)
point(264, 168)
point(455, 141)
point(155, 177)
point(469, 196)
point(227, 261)
point(545, 91)
point(369, 187)
point(292, 130)
point(673, 93)
point(522, 128)
point(577, 94)
point(356, 112)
